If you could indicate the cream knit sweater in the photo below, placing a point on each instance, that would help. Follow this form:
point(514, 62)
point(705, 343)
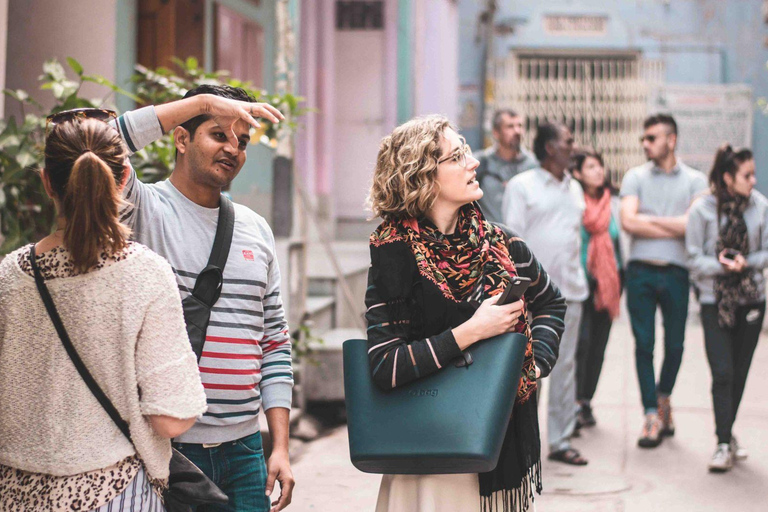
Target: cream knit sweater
point(125, 320)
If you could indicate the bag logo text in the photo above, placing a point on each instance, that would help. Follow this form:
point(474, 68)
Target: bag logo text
point(423, 392)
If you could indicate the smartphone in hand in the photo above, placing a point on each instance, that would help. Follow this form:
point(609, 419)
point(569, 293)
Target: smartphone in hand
point(514, 290)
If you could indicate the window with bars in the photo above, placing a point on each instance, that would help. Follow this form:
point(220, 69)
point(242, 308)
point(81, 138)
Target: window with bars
point(602, 99)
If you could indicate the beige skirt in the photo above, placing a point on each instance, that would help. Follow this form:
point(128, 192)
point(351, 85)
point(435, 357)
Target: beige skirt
point(430, 493)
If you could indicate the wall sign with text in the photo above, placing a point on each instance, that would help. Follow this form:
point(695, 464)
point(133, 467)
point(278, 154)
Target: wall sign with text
point(575, 25)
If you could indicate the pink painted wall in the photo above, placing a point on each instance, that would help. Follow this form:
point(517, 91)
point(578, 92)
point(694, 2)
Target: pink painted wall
point(3, 45)
point(41, 29)
point(436, 26)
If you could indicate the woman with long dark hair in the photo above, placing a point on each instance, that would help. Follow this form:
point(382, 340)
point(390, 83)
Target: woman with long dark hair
point(437, 269)
point(601, 259)
point(118, 302)
point(727, 248)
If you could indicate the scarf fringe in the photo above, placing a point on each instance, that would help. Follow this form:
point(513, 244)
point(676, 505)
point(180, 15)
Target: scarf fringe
point(518, 499)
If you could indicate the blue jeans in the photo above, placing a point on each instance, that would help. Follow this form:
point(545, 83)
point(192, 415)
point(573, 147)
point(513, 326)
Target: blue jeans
point(649, 287)
point(238, 468)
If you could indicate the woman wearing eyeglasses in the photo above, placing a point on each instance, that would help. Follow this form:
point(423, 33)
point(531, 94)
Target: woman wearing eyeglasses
point(437, 269)
point(727, 247)
point(118, 301)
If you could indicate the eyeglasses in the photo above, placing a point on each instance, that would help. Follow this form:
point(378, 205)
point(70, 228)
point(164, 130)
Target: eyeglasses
point(100, 114)
point(649, 138)
point(459, 156)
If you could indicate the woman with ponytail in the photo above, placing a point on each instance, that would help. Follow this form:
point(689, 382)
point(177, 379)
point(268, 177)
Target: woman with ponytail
point(120, 307)
point(727, 247)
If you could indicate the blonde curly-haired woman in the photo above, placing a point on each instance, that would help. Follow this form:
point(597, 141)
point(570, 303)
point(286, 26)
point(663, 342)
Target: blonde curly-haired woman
point(437, 269)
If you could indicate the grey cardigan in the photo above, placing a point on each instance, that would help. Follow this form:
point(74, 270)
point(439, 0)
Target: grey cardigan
point(701, 235)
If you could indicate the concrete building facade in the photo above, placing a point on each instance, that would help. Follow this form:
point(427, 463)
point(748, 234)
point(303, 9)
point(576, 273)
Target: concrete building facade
point(698, 43)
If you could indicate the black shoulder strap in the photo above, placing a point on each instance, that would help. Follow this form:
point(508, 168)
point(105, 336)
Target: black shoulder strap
point(73, 355)
point(223, 239)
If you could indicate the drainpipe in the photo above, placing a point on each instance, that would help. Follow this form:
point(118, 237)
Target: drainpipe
point(486, 24)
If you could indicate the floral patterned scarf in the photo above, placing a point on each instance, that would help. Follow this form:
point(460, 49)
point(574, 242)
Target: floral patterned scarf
point(732, 289)
point(471, 265)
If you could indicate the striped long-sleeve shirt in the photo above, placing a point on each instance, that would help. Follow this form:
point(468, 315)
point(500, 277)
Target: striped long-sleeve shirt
point(246, 360)
point(398, 357)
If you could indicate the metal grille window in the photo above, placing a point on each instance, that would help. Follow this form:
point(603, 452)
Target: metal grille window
point(602, 99)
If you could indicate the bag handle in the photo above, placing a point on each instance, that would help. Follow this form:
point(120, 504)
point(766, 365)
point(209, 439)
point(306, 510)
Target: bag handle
point(72, 352)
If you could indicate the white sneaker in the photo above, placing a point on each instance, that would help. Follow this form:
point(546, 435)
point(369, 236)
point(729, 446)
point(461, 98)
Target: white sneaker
point(722, 460)
point(739, 453)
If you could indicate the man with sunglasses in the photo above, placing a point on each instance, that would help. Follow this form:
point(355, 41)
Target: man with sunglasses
point(503, 161)
point(544, 206)
point(246, 358)
point(655, 198)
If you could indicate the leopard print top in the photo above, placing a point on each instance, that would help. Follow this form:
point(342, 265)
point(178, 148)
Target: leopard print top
point(20, 490)
point(57, 263)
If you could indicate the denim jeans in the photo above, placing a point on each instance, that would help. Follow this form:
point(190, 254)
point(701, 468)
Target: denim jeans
point(649, 287)
point(729, 352)
point(238, 468)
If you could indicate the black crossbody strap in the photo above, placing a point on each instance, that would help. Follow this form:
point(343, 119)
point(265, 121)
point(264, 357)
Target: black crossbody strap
point(223, 239)
point(73, 355)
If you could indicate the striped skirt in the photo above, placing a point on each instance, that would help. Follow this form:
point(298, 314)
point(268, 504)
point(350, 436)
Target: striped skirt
point(137, 497)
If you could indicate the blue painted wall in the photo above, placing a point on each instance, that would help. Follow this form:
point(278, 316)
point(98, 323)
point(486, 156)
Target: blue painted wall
point(700, 41)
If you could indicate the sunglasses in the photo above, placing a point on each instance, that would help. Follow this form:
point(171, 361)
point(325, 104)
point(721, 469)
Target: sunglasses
point(66, 116)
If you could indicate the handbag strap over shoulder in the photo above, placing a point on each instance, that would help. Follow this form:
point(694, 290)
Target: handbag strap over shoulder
point(72, 352)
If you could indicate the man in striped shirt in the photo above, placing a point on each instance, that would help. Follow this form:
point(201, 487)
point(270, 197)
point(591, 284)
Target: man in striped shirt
point(246, 359)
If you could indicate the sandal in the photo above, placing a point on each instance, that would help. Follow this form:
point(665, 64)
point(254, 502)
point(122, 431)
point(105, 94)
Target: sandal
point(569, 456)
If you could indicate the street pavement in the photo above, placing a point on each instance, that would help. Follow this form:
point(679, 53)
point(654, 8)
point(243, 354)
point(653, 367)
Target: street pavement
point(620, 476)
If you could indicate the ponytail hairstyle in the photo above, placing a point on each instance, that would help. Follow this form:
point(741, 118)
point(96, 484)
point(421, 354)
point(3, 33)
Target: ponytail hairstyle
point(727, 160)
point(84, 162)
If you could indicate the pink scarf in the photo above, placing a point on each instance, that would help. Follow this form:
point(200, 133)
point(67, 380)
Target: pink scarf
point(601, 259)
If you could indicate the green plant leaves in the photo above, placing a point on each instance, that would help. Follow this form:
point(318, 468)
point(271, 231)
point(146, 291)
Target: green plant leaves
point(76, 67)
point(26, 213)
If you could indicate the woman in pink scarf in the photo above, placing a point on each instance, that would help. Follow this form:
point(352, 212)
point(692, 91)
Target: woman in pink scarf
point(601, 259)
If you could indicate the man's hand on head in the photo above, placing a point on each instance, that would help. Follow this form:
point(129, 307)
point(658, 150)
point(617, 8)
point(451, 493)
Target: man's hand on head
point(226, 113)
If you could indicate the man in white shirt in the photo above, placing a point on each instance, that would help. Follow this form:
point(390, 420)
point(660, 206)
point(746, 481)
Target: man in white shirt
point(544, 206)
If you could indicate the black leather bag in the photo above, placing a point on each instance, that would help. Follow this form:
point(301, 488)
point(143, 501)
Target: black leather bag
point(197, 306)
point(187, 485)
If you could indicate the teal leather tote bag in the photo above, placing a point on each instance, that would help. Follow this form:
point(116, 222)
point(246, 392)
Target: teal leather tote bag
point(452, 421)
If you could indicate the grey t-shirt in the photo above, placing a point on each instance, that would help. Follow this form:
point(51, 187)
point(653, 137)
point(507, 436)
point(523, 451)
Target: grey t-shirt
point(493, 175)
point(662, 194)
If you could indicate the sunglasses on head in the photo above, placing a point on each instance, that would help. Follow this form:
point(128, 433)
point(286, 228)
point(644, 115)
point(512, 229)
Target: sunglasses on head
point(66, 116)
